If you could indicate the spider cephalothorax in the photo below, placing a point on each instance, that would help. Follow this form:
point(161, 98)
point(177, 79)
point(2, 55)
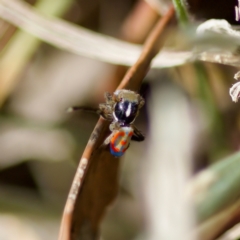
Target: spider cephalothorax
point(121, 107)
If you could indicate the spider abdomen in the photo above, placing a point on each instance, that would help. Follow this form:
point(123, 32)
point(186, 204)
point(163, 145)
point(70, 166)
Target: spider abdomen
point(120, 141)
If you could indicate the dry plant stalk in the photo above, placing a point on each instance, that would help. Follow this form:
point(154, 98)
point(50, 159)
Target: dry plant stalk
point(220, 223)
point(79, 40)
point(95, 184)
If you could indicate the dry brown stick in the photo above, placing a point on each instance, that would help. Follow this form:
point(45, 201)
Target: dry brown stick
point(217, 225)
point(134, 29)
point(95, 184)
point(153, 44)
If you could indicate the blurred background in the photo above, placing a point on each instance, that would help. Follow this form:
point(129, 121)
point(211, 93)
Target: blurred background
point(40, 143)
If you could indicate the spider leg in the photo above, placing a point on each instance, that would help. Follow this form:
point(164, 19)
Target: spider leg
point(88, 109)
point(114, 126)
point(108, 139)
point(137, 135)
point(105, 110)
point(108, 98)
point(141, 102)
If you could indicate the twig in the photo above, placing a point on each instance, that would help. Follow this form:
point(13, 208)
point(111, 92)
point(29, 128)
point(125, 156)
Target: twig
point(91, 192)
point(134, 76)
point(220, 222)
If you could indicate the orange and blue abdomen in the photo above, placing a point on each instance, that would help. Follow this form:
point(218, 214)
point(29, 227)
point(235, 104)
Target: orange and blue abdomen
point(120, 141)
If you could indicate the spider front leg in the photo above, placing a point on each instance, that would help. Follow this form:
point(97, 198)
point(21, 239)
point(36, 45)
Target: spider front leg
point(137, 135)
point(141, 102)
point(109, 98)
point(108, 139)
point(105, 110)
point(83, 108)
point(114, 126)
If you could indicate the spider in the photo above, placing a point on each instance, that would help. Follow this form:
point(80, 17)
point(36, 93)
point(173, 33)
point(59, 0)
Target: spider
point(121, 109)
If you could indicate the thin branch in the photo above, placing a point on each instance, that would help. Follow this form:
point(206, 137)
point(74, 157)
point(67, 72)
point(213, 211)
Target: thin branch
point(151, 47)
point(91, 192)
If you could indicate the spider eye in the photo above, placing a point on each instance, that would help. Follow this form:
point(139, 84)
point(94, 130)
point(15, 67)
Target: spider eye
point(125, 112)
